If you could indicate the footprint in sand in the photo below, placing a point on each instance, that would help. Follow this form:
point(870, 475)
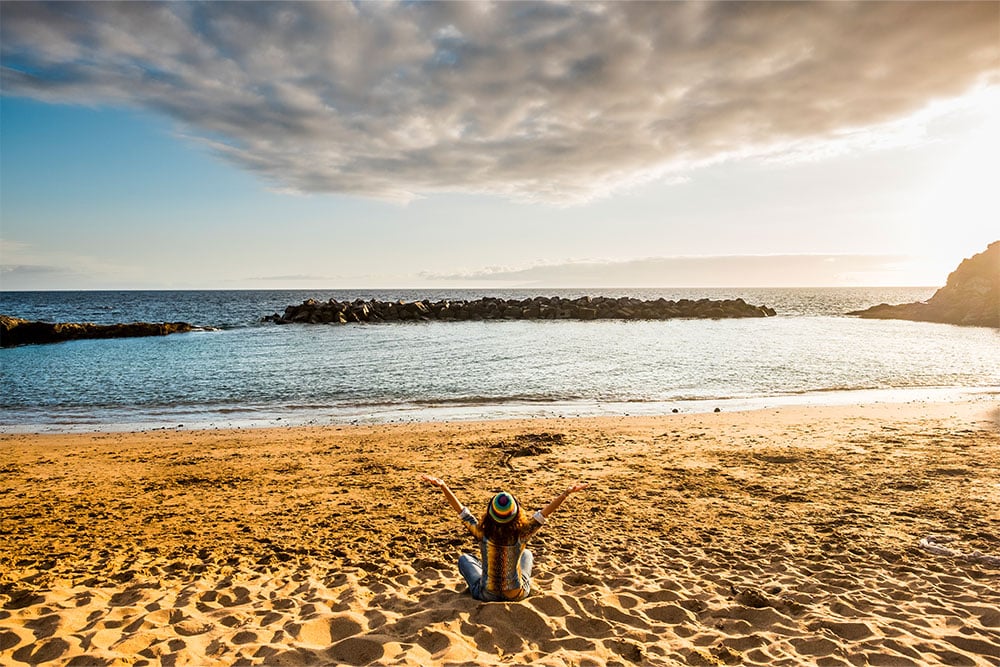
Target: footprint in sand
point(190, 627)
point(814, 646)
point(327, 630)
point(127, 598)
point(746, 642)
point(237, 596)
point(433, 641)
point(594, 628)
point(47, 651)
point(760, 618)
point(45, 626)
point(551, 606)
point(670, 614)
point(581, 579)
point(515, 617)
point(356, 651)
point(973, 645)
point(8, 639)
point(849, 630)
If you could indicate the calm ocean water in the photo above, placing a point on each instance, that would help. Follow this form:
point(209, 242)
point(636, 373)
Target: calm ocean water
point(247, 373)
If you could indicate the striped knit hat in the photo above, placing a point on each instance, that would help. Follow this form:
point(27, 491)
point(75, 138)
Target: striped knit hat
point(503, 507)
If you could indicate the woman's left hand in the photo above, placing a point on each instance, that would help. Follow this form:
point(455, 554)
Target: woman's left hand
point(579, 486)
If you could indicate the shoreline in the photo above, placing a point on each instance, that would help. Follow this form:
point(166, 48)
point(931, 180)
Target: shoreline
point(778, 536)
point(473, 411)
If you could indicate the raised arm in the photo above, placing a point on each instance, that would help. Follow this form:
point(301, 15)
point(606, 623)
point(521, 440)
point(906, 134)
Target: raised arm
point(439, 483)
point(558, 500)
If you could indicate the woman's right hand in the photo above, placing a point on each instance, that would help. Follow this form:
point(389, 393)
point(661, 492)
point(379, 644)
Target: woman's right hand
point(434, 481)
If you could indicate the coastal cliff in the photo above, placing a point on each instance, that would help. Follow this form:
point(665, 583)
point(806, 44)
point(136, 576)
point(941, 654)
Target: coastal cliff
point(538, 308)
point(18, 331)
point(971, 296)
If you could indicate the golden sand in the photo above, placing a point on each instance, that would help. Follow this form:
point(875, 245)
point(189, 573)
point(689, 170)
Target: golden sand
point(788, 536)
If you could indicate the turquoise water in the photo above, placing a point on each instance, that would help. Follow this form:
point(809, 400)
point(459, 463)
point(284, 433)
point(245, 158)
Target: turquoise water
point(247, 373)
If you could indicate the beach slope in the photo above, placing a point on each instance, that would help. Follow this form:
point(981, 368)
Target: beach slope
point(827, 536)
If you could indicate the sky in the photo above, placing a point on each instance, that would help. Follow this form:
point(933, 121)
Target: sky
point(338, 145)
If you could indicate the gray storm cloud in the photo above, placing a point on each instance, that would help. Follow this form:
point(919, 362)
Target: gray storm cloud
point(549, 101)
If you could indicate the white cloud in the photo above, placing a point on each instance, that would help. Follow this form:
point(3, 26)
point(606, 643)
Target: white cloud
point(561, 102)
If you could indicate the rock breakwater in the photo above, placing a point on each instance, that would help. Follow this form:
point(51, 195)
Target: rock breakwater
point(537, 308)
point(971, 296)
point(17, 331)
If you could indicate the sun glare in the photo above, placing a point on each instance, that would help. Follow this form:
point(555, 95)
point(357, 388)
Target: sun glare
point(959, 212)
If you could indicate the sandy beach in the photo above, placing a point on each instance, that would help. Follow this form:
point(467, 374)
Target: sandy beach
point(823, 535)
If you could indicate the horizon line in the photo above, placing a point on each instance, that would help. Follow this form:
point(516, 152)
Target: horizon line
point(439, 289)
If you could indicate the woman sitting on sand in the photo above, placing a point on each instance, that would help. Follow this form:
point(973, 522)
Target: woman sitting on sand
point(503, 573)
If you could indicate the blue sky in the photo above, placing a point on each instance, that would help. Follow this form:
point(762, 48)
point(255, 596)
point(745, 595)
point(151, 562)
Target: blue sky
point(213, 152)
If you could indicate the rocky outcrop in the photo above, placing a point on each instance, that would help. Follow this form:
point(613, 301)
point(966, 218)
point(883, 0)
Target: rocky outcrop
point(971, 297)
point(538, 308)
point(17, 331)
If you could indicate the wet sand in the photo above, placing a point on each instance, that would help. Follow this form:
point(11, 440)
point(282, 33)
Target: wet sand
point(827, 536)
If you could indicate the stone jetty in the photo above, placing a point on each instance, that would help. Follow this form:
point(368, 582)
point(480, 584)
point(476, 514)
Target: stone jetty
point(538, 308)
point(970, 297)
point(17, 331)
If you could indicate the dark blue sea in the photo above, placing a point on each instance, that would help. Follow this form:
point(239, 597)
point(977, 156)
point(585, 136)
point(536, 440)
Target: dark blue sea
point(248, 373)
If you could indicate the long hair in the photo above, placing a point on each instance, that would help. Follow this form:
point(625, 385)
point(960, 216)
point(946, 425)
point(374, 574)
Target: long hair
point(503, 533)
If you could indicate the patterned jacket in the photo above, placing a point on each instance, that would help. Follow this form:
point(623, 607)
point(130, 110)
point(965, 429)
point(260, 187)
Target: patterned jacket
point(502, 576)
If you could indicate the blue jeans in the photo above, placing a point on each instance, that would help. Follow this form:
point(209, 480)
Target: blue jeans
point(472, 569)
